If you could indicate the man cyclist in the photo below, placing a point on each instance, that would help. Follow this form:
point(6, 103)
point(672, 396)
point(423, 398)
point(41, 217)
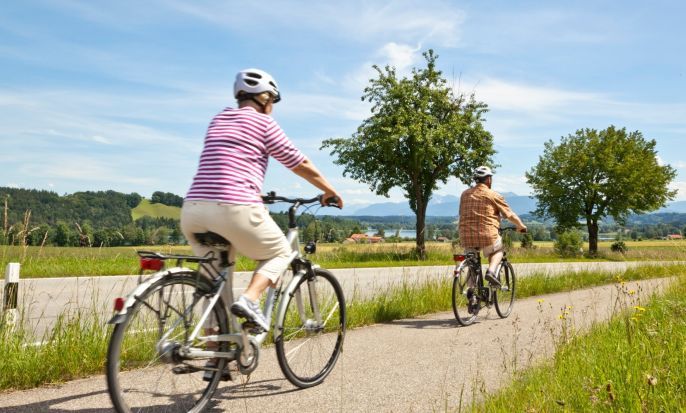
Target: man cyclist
point(225, 194)
point(481, 209)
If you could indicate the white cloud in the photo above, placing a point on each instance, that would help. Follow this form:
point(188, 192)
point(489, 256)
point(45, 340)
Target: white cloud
point(680, 186)
point(404, 20)
point(300, 104)
point(510, 96)
point(101, 139)
point(400, 56)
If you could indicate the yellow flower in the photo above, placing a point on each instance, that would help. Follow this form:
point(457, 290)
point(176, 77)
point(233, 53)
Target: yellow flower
point(632, 292)
point(540, 300)
point(561, 316)
point(639, 308)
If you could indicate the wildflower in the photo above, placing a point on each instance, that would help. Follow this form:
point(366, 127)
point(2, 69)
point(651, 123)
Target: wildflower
point(561, 317)
point(652, 380)
point(639, 308)
point(540, 300)
point(634, 318)
point(632, 292)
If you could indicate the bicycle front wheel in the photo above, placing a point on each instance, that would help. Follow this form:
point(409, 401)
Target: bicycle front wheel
point(464, 290)
point(310, 331)
point(505, 296)
point(146, 372)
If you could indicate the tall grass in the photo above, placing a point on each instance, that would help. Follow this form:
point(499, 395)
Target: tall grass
point(72, 261)
point(635, 363)
point(77, 345)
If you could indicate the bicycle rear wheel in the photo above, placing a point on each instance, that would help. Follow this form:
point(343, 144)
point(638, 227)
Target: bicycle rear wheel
point(505, 296)
point(146, 373)
point(310, 331)
point(464, 288)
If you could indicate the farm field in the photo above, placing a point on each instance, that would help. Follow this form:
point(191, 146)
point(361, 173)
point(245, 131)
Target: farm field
point(73, 261)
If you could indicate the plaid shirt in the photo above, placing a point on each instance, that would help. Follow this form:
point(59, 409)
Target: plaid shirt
point(480, 213)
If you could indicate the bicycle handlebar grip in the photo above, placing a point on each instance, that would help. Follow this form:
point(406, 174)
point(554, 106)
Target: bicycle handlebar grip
point(332, 202)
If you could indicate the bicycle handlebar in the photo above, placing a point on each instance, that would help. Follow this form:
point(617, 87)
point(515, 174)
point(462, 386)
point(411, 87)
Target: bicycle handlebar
point(271, 198)
point(503, 229)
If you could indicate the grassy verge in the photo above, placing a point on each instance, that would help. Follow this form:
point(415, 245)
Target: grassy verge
point(634, 363)
point(40, 262)
point(76, 347)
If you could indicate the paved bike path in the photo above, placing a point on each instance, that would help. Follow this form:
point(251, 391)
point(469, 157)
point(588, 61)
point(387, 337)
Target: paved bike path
point(43, 300)
point(414, 365)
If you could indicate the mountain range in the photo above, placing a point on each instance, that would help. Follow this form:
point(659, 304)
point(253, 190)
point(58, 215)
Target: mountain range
point(449, 205)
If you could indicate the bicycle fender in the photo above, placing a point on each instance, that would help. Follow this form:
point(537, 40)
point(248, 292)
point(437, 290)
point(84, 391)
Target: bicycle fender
point(120, 316)
point(459, 268)
point(283, 302)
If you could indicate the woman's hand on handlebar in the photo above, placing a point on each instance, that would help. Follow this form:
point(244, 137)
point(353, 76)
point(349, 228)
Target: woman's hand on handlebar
point(331, 199)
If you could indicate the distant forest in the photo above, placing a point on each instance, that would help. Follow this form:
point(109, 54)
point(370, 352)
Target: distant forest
point(104, 218)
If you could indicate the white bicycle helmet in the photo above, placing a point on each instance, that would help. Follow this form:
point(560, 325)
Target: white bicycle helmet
point(255, 81)
point(482, 172)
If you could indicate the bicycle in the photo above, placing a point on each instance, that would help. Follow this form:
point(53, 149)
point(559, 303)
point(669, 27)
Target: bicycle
point(174, 337)
point(470, 292)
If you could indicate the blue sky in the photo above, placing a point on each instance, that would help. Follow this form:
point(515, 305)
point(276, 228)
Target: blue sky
point(98, 95)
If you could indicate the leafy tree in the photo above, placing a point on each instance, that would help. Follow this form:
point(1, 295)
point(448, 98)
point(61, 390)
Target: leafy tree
point(133, 199)
point(419, 134)
point(593, 174)
point(64, 236)
point(166, 198)
point(380, 231)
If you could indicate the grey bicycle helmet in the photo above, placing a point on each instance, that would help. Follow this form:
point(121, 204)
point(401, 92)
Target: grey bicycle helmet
point(255, 81)
point(482, 172)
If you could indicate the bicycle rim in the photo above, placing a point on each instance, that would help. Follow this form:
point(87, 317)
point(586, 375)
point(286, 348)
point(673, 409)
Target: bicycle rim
point(307, 350)
point(463, 288)
point(140, 378)
point(505, 296)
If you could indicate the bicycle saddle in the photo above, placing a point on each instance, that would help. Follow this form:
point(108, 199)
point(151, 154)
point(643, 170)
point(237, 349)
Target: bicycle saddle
point(211, 239)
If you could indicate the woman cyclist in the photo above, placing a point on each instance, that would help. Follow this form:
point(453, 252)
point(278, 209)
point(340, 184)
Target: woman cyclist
point(224, 196)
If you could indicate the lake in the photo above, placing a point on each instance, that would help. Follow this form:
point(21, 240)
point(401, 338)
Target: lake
point(404, 233)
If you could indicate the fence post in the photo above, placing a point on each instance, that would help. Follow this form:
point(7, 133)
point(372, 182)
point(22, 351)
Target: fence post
point(9, 302)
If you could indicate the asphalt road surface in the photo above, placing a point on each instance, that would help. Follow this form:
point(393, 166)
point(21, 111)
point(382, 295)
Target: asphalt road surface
point(41, 301)
point(414, 365)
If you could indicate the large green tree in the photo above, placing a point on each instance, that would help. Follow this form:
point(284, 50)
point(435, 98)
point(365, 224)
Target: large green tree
point(419, 133)
point(593, 174)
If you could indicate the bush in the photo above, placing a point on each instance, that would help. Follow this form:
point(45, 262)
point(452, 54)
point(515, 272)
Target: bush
point(528, 241)
point(569, 244)
point(619, 246)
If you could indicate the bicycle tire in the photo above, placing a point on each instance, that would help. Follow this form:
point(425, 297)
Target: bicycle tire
point(139, 378)
point(462, 292)
point(307, 351)
point(505, 296)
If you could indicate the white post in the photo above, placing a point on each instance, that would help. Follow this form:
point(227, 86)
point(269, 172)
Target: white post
point(9, 302)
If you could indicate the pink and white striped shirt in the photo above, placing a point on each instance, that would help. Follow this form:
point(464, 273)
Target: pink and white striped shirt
point(235, 156)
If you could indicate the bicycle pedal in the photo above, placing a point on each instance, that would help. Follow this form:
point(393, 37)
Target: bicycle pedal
point(185, 369)
point(252, 328)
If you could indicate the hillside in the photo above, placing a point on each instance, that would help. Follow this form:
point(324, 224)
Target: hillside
point(147, 208)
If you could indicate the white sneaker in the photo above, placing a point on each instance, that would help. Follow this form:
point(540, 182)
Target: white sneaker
point(250, 310)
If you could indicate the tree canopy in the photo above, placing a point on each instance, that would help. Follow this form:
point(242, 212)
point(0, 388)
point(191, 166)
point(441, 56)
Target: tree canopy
point(593, 174)
point(419, 133)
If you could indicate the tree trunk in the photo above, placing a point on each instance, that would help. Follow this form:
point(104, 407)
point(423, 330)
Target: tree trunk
point(592, 236)
point(420, 228)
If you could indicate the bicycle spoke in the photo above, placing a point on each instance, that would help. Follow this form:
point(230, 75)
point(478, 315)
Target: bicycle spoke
point(143, 351)
point(308, 350)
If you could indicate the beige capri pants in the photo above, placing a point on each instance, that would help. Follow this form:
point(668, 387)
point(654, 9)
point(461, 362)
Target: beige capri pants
point(249, 228)
point(497, 246)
